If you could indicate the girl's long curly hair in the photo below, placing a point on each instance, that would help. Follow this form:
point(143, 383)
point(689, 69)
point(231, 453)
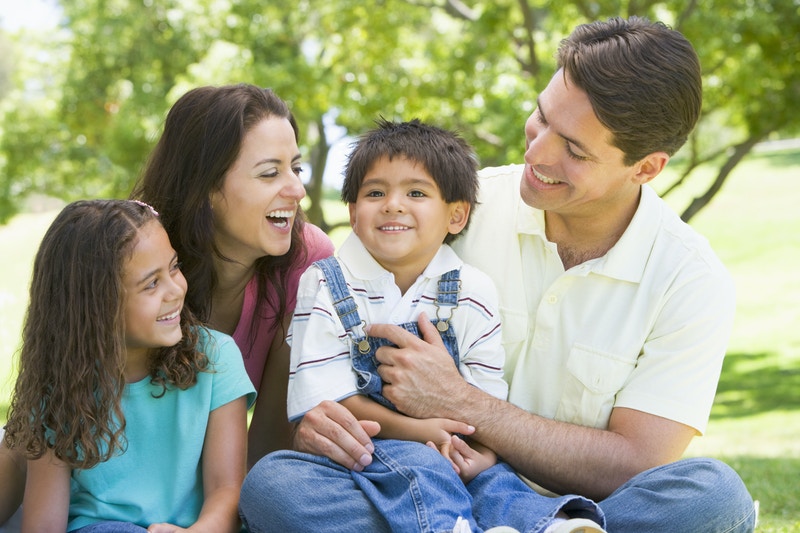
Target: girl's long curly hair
point(202, 137)
point(67, 398)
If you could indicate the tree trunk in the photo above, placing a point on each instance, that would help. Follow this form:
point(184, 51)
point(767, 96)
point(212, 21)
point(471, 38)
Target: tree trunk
point(739, 151)
point(314, 188)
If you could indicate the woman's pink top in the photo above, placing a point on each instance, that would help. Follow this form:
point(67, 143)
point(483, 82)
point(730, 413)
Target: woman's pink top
point(255, 350)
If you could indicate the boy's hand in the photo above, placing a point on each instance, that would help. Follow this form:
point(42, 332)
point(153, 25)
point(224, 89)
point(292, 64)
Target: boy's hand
point(468, 461)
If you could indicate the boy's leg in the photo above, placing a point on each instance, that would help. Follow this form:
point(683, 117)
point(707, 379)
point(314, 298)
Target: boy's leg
point(501, 498)
point(408, 487)
point(293, 491)
point(690, 495)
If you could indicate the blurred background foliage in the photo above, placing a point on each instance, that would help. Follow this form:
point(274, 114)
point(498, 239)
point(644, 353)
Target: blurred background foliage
point(81, 107)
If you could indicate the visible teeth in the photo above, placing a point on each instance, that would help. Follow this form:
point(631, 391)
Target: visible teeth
point(544, 178)
point(280, 214)
point(394, 228)
point(168, 317)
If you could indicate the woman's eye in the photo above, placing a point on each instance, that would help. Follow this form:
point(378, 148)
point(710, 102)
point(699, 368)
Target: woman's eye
point(176, 267)
point(270, 174)
point(297, 170)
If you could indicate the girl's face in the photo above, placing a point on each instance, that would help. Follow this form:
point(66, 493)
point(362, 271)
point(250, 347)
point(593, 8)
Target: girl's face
point(255, 208)
point(154, 291)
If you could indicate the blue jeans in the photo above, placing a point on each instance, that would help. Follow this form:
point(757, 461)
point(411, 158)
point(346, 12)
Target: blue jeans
point(291, 491)
point(691, 495)
point(408, 487)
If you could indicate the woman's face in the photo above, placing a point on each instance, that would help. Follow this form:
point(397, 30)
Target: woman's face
point(255, 207)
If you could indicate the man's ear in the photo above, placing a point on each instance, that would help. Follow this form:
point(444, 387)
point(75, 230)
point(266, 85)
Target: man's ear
point(650, 166)
point(459, 214)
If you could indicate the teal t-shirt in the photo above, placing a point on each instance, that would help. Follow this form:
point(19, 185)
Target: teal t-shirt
point(158, 478)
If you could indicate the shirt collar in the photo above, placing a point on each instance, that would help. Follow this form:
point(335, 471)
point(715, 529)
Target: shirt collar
point(627, 259)
point(363, 266)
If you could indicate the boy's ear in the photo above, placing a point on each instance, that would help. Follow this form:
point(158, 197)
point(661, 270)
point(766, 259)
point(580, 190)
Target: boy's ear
point(459, 214)
point(650, 166)
point(352, 208)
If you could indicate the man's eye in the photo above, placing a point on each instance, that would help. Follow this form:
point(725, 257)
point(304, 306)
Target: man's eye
point(573, 155)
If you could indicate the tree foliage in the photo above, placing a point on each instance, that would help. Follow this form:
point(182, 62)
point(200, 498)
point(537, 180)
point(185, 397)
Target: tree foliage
point(106, 81)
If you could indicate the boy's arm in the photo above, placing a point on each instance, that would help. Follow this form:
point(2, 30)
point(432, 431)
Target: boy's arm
point(396, 425)
point(224, 467)
point(46, 501)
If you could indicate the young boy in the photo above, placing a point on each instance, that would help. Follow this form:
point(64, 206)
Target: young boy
point(410, 188)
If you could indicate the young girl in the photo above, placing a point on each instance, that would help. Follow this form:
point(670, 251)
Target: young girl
point(132, 416)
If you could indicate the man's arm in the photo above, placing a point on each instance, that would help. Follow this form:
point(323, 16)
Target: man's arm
point(561, 457)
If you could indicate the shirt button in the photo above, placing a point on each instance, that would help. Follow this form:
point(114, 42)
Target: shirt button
point(552, 299)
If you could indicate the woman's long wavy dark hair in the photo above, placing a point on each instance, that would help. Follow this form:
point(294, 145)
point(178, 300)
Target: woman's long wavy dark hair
point(67, 397)
point(202, 137)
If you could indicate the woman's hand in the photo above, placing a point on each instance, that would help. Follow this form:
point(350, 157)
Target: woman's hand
point(330, 430)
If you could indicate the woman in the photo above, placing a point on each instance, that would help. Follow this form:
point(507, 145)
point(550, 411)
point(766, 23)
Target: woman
point(225, 177)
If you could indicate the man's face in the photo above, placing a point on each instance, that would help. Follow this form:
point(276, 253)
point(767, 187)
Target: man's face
point(571, 169)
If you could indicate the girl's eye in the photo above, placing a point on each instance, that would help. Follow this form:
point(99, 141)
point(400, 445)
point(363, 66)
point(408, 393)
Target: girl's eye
point(540, 118)
point(152, 285)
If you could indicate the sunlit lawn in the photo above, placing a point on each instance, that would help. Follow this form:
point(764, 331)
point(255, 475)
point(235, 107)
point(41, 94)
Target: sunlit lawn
point(754, 225)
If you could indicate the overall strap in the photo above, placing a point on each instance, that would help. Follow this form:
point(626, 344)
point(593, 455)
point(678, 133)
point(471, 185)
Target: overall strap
point(447, 295)
point(343, 300)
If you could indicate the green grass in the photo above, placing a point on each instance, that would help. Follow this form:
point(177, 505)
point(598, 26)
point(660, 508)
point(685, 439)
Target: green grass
point(753, 224)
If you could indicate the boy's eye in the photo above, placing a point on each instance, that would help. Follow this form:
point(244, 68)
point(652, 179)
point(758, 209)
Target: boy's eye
point(416, 194)
point(374, 194)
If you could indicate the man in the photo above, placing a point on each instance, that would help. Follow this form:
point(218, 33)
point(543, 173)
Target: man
point(615, 314)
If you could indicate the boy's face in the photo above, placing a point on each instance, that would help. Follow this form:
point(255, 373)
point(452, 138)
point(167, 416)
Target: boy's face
point(401, 217)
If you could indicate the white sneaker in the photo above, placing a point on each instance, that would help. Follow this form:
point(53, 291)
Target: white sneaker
point(574, 525)
point(502, 529)
point(462, 526)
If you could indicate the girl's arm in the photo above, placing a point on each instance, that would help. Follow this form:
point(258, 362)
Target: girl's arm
point(46, 501)
point(270, 428)
point(224, 467)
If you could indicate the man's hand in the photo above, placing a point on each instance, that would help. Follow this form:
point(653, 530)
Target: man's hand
point(332, 431)
point(419, 375)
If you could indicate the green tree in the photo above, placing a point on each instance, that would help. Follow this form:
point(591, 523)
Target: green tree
point(473, 66)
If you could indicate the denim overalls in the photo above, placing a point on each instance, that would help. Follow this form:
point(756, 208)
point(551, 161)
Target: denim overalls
point(362, 350)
